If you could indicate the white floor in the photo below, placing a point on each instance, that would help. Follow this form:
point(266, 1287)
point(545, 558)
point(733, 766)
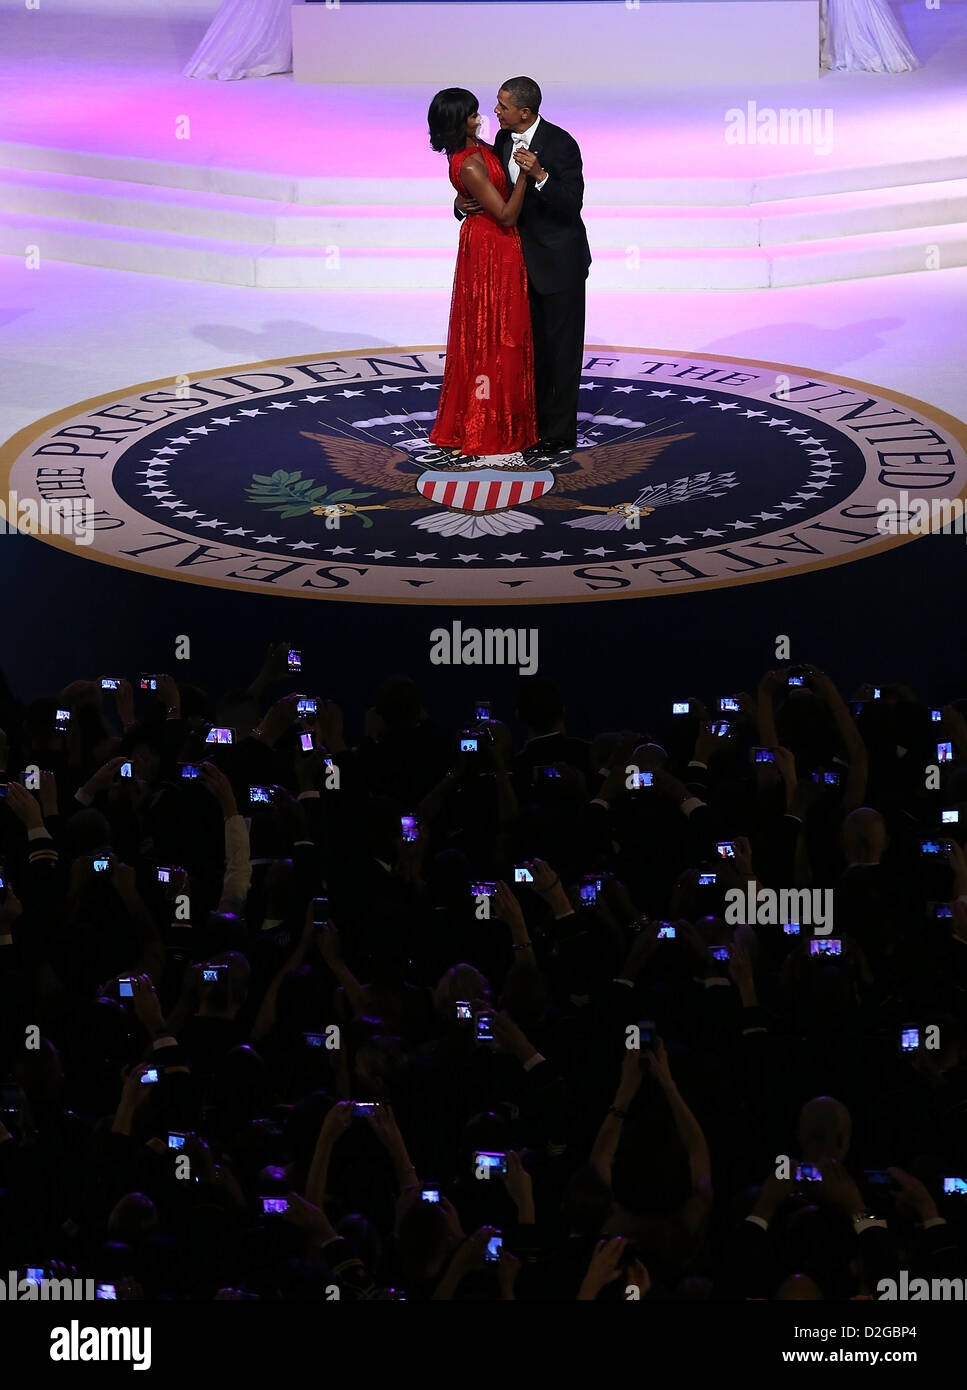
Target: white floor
point(70, 332)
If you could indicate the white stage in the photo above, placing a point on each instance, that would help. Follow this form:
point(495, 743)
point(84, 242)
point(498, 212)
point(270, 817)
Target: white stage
point(640, 41)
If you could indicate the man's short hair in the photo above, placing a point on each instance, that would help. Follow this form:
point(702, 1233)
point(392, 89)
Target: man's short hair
point(524, 91)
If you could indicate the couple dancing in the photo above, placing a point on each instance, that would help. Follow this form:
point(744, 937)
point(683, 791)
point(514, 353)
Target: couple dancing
point(516, 337)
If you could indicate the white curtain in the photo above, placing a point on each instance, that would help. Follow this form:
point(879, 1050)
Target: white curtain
point(862, 35)
point(247, 38)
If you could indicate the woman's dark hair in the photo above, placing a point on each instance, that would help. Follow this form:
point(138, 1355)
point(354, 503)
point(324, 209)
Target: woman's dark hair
point(447, 118)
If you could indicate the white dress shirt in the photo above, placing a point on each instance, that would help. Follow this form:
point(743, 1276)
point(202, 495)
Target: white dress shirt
point(522, 140)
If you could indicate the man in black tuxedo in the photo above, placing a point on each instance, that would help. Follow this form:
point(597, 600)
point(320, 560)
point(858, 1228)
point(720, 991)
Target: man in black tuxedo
point(556, 251)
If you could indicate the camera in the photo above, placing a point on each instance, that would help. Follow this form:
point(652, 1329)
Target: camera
point(306, 742)
point(494, 1245)
point(102, 866)
point(666, 932)
point(220, 736)
point(149, 682)
point(150, 1077)
point(934, 846)
point(314, 1039)
point(729, 705)
point(640, 780)
point(364, 1107)
point(410, 828)
point(725, 848)
point(429, 1194)
point(482, 710)
point(909, 1039)
point(176, 1140)
point(955, 1187)
point(126, 770)
point(190, 771)
point(483, 890)
point(807, 1172)
point(464, 1011)
point(110, 683)
point(274, 1206)
point(485, 1028)
point(707, 880)
point(260, 796)
point(682, 707)
point(307, 705)
point(294, 661)
point(827, 946)
point(126, 987)
point(522, 874)
point(496, 1162)
point(763, 755)
point(945, 752)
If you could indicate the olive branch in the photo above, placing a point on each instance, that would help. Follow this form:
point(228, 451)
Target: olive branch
point(290, 494)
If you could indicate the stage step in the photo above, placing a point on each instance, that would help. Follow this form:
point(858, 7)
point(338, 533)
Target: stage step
point(235, 218)
point(628, 266)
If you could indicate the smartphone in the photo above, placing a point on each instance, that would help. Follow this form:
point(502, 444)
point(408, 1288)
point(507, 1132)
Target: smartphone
point(149, 1077)
point(410, 828)
point(190, 771)
point(176, 1140)
point(877, 692)
point(522, 874)
point(164, 874)
point(725, 848)
point(763, 755)
point(260, 796)
point(496, 1162)
point(314, 1039)
point(949, 817)
point(62, 718)
point(306, 740)
point(274, 1206)
point(149, 683)
point(707, 880)
point(790, 928)
point(797, 676)
point(464, 1011)
point(931, 846)
point(126, 770)
point(35, 1273)
point(102, 866)
point(294, 661)
point(547, 771)
point(307, 705)
point(666, 932)
point(320, 912)
point(827, 779)
point(642, 779)
point(909, 1039)
point(494, 1245)
point(721, 728)
point(110, 683)
point(807, 1172)
point(220, 736)
point(682, 707)
point(429, 1194)
point(482, 709)
point(364, 1107)
point(485, 1028)
point(126, 987)
point(955, 1187)
point(589, 893)
point(827, 946)
point(945, 752)
point(106, 1291)
point(469, 743)
point(936, 716)
point(729, 705)
point(719, 952)
point(212, 974)
point(483, 890)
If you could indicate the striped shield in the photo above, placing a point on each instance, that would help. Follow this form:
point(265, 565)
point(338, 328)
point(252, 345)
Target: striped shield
point(484, 489)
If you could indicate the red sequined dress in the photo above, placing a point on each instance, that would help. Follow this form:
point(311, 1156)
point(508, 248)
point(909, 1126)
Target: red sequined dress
point(487, 399)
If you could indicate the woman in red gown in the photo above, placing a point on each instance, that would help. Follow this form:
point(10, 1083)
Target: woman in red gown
point(487, 400)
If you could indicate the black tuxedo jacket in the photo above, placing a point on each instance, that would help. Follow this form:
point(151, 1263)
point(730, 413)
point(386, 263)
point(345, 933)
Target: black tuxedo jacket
point(552, 233)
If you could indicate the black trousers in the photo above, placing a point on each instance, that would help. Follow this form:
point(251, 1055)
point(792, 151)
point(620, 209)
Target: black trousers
point(558, 326)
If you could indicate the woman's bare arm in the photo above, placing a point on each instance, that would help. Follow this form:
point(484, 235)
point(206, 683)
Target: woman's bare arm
point(477, 183)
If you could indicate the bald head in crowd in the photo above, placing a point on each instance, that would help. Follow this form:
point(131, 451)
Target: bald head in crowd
point(864, 836)
point(824, 1130)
